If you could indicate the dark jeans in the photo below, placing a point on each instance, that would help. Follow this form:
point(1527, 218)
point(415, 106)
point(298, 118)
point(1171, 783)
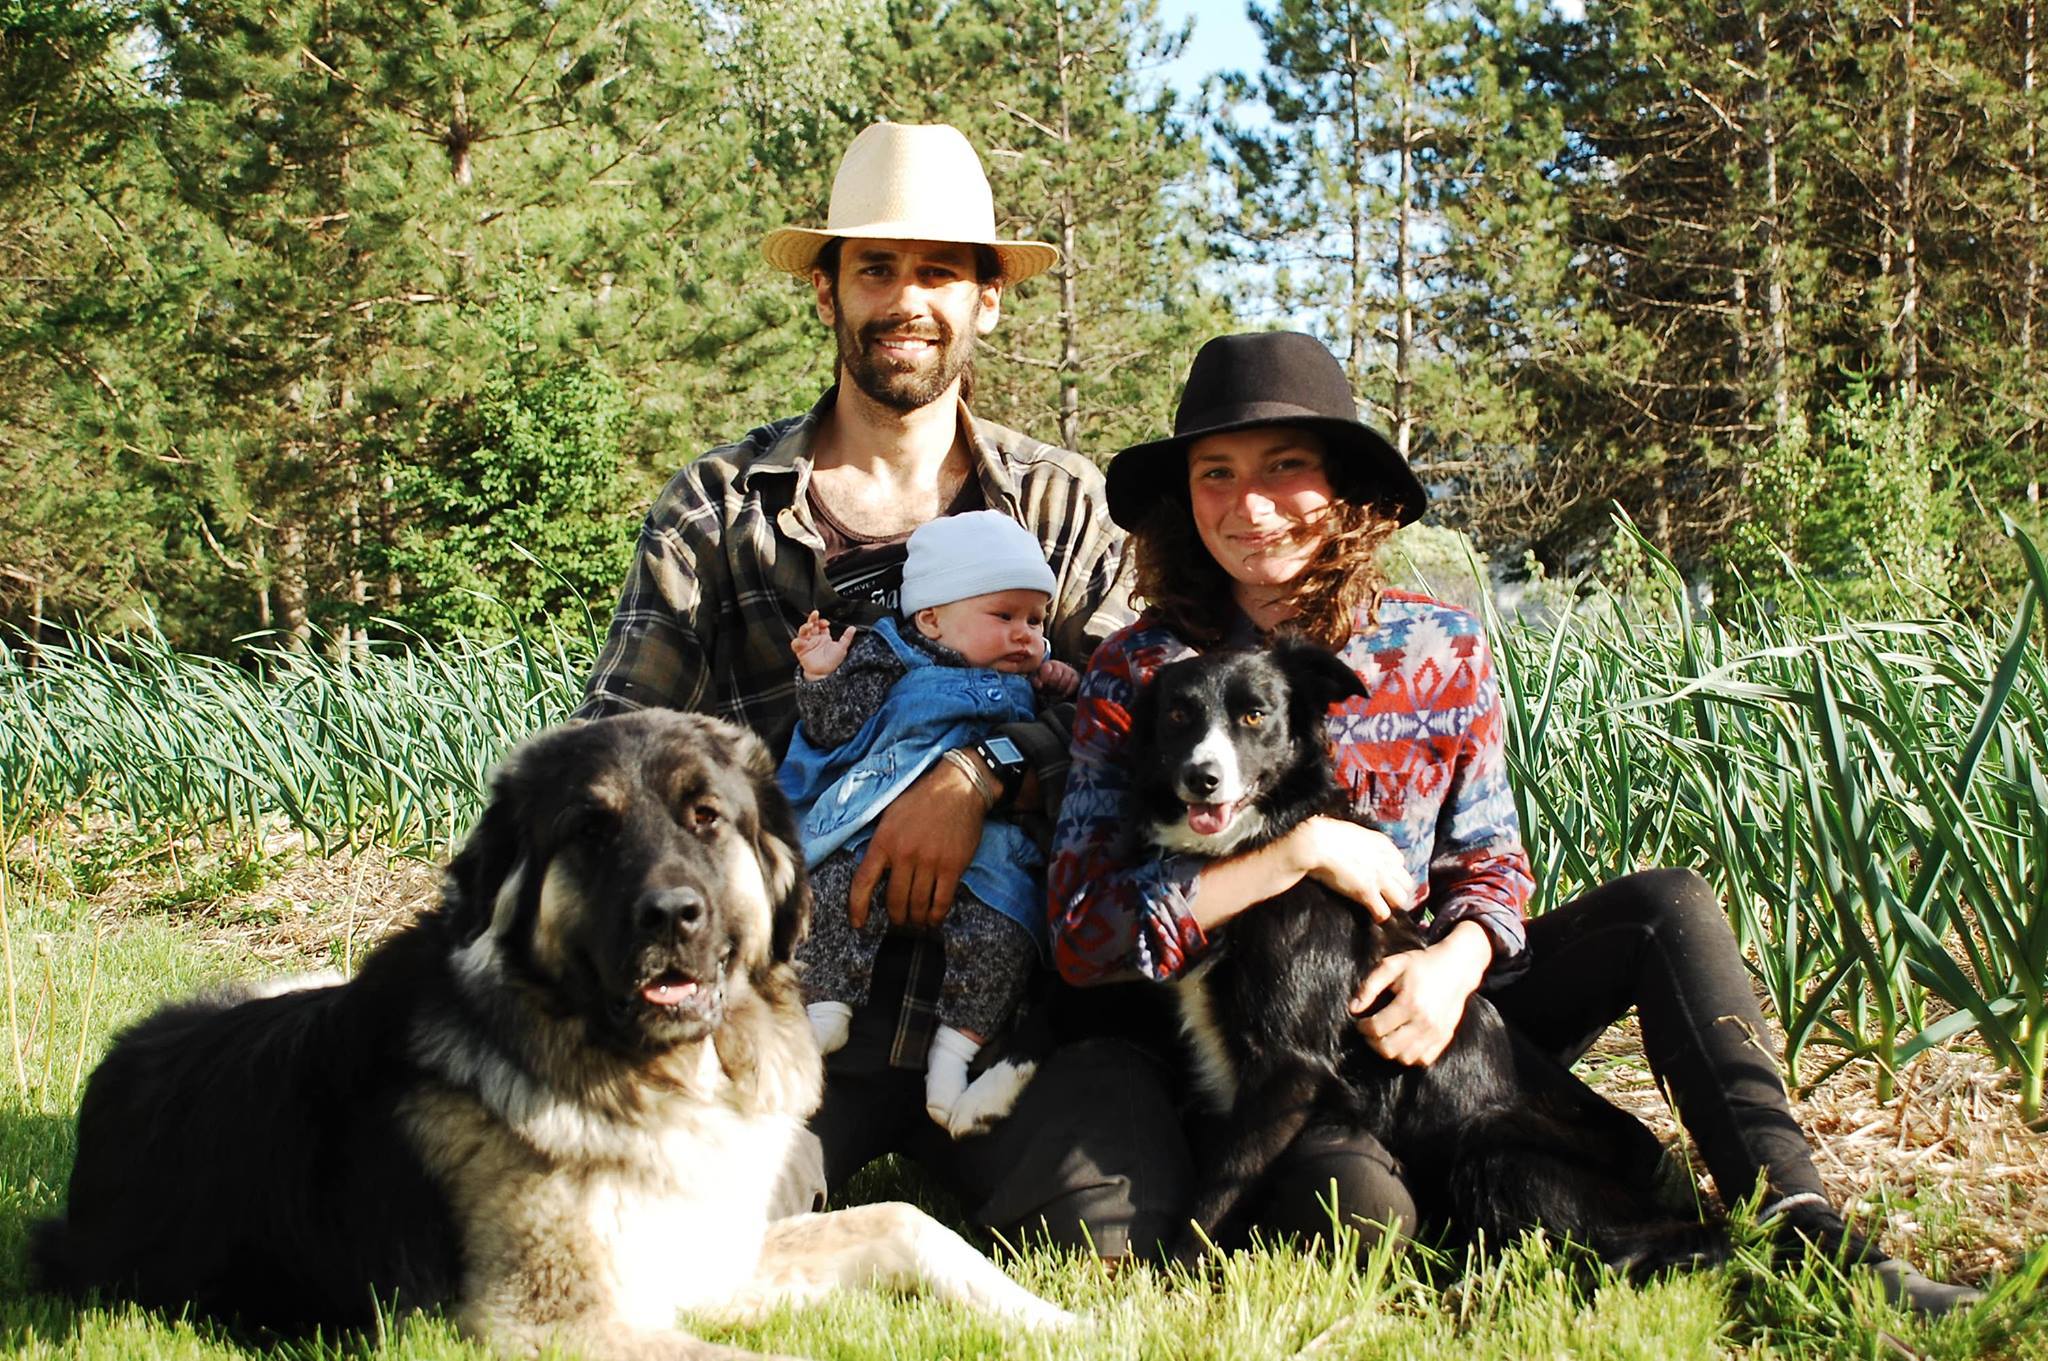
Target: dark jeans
point(1098, 1150)
point(1092, 1157)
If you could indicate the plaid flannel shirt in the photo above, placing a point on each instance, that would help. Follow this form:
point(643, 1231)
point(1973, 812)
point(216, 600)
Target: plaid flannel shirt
point(730, 563)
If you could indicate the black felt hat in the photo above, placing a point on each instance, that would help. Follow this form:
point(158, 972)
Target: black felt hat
point(1267, 378)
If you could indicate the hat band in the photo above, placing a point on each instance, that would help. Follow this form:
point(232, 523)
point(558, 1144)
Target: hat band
point(1250, 413)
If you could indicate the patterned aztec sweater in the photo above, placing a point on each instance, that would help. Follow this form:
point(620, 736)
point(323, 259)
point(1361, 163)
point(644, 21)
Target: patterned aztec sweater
point(1422, 757)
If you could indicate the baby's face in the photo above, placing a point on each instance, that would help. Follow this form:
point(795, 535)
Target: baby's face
point(1003, 630)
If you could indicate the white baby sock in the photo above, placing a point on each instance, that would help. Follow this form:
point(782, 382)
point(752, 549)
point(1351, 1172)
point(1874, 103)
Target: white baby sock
point(831, 1022)
point(945, 1072)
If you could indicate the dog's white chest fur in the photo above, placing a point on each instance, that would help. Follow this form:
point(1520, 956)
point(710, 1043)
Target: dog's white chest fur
point(697, 1241)
point(1215, 1070)
point(601, 1217)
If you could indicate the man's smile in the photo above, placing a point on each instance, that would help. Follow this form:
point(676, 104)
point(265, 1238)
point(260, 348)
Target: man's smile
point(908, 347)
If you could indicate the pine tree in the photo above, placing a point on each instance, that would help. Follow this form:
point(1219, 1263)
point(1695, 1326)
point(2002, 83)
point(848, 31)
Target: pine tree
point(1778, 214)
point(341, 157)
point(1339, 193)
point(1505, 303)
point(1676, 352)
point(332, 202)
point(73, 268)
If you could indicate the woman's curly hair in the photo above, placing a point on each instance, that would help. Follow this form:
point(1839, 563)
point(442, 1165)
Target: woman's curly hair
point(1179, 584)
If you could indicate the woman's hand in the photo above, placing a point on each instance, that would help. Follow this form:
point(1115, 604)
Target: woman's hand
point(1426, 992)
point(1359, 862)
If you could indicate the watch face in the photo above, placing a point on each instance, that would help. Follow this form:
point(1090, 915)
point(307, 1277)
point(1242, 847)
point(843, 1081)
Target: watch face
point(1005, 751)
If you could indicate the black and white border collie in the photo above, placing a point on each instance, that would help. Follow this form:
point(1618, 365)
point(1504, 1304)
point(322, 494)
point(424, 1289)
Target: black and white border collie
point(1229, 752)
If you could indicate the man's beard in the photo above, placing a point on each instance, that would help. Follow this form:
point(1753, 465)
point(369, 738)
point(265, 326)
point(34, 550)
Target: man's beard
point(901, 385)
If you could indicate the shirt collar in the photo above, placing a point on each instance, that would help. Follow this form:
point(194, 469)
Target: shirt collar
point(999, 489)
point(791, 453)
point(791, 450)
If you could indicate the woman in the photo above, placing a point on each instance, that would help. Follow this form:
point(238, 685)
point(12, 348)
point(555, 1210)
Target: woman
point(1266, 511)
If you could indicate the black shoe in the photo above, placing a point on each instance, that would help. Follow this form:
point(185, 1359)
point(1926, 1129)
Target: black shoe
point(1911, 1291)
point(1813, 1228)
point(1809, 1227)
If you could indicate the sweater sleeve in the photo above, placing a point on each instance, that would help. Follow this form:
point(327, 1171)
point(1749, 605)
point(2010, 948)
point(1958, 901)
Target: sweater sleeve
point(1113, 916)
point(833, 708)
point(1478, 869)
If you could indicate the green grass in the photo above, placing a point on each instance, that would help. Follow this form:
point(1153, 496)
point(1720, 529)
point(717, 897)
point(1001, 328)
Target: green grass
point(76, 978)
point(1870, 799)
point(392, 746)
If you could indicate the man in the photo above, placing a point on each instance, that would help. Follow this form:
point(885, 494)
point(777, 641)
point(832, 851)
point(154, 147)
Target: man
point(811, 512)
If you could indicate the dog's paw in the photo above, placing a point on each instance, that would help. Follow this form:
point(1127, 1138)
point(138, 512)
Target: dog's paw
point(989, 1098)
point(1048, 1317)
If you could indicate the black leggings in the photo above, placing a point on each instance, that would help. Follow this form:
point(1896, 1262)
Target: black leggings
point(1657, 942)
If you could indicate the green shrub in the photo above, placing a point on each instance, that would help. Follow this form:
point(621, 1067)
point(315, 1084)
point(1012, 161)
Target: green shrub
point(514, 518)
point(1863, 505)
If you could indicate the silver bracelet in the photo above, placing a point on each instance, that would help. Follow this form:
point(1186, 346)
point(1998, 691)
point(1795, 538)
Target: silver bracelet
point(964, 761)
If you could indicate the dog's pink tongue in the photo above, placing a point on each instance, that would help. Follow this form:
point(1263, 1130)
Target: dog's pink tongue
point(1207, 819)
point(669, 994)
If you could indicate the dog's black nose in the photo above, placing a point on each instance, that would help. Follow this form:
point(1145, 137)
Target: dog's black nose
point(1201, 781)
point(680, 910)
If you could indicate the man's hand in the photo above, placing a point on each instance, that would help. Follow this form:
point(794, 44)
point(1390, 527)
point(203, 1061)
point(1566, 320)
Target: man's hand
point(923, 841)
point(1426, 993)
point(817, 651)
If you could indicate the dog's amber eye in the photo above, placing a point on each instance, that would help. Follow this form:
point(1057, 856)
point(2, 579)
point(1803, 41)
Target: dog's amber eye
point(1177, 715)
point(1251, 718)
point(702, 817)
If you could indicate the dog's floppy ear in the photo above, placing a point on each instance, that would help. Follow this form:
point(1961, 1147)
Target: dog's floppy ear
point(1316, 677)
point(782, 868)
point(779, 850)
point(469, 891)
point(1144, 713)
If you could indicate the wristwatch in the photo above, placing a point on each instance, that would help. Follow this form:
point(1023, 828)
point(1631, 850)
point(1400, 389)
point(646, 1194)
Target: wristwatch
point(1005, 760)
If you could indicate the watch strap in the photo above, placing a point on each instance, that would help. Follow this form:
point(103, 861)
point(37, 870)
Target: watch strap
point(1010, 774)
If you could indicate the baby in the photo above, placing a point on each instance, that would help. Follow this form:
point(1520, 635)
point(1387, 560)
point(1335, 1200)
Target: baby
point(876, 709)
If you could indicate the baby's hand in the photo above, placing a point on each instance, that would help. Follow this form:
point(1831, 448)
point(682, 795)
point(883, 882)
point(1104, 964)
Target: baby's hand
point(817, 651)
point(1056, 678)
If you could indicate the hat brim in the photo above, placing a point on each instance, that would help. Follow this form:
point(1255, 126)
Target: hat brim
point(795, 249)
point(1138, 476)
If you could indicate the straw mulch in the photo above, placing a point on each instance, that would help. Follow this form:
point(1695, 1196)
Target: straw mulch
point(1946, 1168)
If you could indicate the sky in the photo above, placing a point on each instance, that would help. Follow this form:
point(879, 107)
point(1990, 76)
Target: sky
point(1224, 38)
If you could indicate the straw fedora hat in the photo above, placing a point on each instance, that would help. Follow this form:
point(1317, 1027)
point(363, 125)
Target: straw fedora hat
point(909, 182)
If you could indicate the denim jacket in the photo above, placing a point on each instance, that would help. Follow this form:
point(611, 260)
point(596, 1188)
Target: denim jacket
point(933, 708)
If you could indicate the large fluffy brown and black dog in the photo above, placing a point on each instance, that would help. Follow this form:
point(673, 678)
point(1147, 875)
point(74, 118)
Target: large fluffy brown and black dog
point(563, 1106)
point(1228, 753)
